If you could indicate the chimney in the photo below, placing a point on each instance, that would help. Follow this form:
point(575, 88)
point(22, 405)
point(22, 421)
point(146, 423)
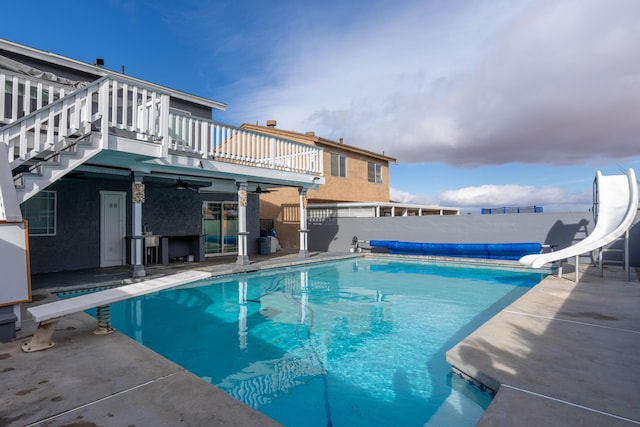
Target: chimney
point(99, 62)
point(310, 133)
point(341, 141)
point(271, 123)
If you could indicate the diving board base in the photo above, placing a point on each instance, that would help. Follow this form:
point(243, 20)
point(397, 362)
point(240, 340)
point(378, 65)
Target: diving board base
point(41, 339)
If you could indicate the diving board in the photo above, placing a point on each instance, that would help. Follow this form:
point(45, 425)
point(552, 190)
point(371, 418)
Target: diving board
point(615, 208)
point(47, 315)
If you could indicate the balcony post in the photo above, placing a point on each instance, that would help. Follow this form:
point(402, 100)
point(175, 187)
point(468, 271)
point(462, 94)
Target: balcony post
point(9, 206)
point(103, 112)
point(304, 248)
point(137, 199)
point(164, 124)
point(243, 258)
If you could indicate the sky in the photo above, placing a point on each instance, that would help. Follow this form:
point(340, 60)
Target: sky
point(484, 103)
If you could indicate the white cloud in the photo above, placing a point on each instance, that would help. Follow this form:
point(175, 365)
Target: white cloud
point(466, 83)
point(487, 196)
point(401, 196)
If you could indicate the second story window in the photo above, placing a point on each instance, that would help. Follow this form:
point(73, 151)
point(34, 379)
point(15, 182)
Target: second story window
point(338, 165)
point(375, 172)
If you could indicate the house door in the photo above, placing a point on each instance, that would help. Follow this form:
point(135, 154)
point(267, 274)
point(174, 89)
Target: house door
point(220, 227)
point(112, 228)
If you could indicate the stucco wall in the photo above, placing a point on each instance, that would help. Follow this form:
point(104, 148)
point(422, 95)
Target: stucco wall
point(355, 187)
point(559, 229)
point(166, 211)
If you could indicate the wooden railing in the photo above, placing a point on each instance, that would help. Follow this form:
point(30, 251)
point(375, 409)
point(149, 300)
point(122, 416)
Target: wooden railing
point(141, 113)
point(233, 144)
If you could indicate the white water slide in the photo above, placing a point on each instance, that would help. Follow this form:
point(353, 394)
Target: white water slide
point(615, 208)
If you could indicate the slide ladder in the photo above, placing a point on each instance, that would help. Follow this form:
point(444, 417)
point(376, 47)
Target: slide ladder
point(615, 208)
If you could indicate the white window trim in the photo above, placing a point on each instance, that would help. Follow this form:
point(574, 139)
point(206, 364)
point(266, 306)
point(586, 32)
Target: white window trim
point(55, 215)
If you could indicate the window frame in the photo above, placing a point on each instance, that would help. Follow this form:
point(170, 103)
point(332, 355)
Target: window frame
point(341, 165)
point(374, 172)
point(51, 216)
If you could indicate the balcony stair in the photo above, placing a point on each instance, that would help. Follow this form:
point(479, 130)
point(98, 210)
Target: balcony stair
point(45, 145)
point(48, 166)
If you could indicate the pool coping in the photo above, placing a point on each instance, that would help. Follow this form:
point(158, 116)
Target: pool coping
point(511, 403)
point(562, 354)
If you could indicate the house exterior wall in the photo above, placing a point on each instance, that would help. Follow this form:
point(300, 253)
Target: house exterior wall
point(67, 73)
point(166, 211)
point(76, 245)
point(194, 109)
point(355, 187)
point(282, 206)
point(201, 111)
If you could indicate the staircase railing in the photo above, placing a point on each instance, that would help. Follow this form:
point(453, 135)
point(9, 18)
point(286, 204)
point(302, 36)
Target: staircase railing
point(233, 144)
point(21, 95)
point(105, 103)
point(131, 109)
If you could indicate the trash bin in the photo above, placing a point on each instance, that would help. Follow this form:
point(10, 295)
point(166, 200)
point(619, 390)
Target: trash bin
point(264, 244)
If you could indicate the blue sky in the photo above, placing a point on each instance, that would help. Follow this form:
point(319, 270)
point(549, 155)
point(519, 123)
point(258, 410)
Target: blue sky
point(484, 103)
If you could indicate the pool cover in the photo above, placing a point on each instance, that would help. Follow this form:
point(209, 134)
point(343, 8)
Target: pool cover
point(509, 251)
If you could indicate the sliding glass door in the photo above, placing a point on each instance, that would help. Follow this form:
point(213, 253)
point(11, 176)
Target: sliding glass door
point(220, 227)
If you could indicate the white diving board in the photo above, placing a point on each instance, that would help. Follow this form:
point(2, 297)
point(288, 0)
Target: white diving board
point(47, 315)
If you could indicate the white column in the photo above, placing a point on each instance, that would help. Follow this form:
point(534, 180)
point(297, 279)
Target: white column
point(304, 247)
point(137, 199)
point(243, 257)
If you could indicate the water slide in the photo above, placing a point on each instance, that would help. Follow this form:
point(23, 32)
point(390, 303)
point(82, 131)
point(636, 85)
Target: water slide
point(615, 208)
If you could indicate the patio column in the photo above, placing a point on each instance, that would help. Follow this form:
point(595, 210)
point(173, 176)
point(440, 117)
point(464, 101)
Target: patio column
point(304, 251)
point(137, 199)
point(243, 258)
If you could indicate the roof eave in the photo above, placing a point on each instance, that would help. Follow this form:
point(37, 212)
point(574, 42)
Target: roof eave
point(100, 71)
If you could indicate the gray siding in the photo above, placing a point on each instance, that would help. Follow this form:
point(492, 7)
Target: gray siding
point(166, 211)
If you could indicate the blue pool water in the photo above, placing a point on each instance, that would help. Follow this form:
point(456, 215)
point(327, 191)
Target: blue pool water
point(351, 343)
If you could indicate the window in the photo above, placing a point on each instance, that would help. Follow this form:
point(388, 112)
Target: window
point(40, 212)
point(220, 227)
point(338, 165)
point(375, 172)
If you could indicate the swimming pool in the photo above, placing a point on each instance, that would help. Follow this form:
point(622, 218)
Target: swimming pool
point(354, 342)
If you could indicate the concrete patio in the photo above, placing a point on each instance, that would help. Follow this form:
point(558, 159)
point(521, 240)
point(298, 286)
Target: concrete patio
point(564, 354)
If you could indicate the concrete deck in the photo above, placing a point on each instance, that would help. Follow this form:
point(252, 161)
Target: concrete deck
point(110, 380)
point(564, 354)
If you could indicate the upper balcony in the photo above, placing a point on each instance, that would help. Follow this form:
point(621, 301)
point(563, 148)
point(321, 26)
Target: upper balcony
point(41, 116)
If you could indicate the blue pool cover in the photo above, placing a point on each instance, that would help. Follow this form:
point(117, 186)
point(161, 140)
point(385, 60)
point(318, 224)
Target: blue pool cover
point(510, 251)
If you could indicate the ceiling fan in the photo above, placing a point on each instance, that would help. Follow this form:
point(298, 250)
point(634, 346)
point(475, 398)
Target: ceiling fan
point(184, 185)
point(260, 190)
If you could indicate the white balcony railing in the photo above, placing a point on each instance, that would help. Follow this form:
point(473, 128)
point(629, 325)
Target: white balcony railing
point(226, 143)
point(141, 113)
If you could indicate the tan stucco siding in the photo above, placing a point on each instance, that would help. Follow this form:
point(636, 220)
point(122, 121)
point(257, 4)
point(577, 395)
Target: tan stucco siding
point(355, 187)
